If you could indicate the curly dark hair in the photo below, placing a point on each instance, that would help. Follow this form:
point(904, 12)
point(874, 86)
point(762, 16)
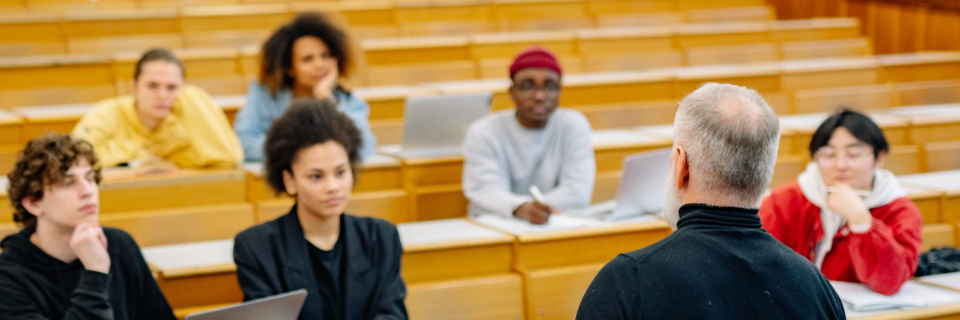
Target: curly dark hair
point(277, 52)
point(43, 163)
point(308, 122)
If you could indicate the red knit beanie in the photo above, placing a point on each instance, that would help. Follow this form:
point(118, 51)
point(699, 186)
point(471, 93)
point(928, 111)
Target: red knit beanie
point(535, 56)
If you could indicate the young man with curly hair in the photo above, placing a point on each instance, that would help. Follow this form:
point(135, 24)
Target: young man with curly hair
point(63, 264)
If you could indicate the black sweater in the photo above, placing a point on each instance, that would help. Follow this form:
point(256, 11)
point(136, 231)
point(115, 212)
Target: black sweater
point(719, 264)
point(34, 285)
point(272, 258)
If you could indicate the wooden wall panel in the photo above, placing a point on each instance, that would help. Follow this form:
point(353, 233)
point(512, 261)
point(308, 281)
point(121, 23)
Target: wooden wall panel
point(894, 26)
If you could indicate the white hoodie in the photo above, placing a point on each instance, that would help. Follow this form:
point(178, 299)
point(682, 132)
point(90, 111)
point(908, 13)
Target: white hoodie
point(886, 188)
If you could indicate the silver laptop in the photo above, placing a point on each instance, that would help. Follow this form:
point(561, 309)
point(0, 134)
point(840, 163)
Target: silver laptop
point(641, 189)
point(285, 306)
point(436, 125)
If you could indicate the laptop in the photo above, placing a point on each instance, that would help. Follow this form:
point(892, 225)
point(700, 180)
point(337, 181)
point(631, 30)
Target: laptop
point(285, 306)
point(436, 125)
point(641, 189)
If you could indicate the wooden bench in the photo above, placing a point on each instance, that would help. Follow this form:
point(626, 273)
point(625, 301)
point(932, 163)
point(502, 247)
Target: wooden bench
point(56, 118)
point(78, 70)
point(125, 43)
point(152, 227)
point(731, 54)
point(930, 203)
point(495, 51)
point(759, 13)
point(933, 123)
point(762, 78)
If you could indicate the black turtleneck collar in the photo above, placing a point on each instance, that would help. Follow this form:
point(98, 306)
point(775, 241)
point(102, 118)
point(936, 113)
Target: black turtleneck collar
point(703, 215)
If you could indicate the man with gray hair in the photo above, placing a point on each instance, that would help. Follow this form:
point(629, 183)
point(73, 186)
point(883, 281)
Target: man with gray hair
point(719, 263)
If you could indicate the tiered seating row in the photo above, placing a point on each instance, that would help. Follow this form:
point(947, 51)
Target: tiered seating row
point(88, 77)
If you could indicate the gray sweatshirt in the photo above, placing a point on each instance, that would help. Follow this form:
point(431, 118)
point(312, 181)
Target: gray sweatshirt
point(503, 159)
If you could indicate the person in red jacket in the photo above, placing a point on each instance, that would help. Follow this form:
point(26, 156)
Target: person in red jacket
point(847, 215)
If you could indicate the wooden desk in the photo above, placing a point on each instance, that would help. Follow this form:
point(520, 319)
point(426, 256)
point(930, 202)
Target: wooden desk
point(119, 22)
point(945, 182)
point(386, 103)
point(454, 268)
point(928, 92)
point(182, 189)
point(434, 189)
point(125, 43)
point(940, 311)
point(616, 87)
point(501, 98)
point(6, 210)
point(465, 266)
point(732, 54)
point(929, 202)
point(822, 49)
point(734, 13)
point(612, 145)
point(558, 266)
point(11, 141)
point(894, 129)
point(378, 192)
point(628, 48)
point(213, 18)
point(30, 27)
point(495, 51)
point(814, 29)
point(57, 118)
point(931, 123)
point(827, 73)
point(195, 274)
point(920, 66)
point(860, 98)
point(521, 15)
point(71, 70)
point(412, 50)
point(936, 235)
point(714, 34)
point(763, 78)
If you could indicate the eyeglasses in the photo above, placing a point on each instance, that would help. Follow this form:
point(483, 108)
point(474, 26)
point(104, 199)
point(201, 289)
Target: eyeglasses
point(528, 90)
point(828, 157)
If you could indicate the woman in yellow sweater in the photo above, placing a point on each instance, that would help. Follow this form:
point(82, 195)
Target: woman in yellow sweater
point(162, 120)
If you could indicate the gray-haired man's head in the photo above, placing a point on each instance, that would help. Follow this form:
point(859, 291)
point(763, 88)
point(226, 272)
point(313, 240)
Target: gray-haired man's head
point(728, 136)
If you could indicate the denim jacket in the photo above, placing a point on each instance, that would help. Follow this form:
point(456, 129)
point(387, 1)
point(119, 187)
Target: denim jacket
point(254, 119)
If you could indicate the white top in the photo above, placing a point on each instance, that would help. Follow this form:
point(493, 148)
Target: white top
point(438, 231)
point(190, 255)
point(502, 159)
point(860, 301)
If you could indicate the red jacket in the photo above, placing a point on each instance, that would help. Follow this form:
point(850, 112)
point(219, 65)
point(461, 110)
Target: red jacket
point(883, 258)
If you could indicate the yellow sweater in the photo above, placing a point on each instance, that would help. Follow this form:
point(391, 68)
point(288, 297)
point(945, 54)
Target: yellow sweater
point(195, 134)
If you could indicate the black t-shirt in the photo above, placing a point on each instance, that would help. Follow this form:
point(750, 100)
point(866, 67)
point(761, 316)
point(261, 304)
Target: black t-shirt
point(326, 268)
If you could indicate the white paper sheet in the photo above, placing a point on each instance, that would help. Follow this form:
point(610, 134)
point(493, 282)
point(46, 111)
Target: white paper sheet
point(442, 231)
point(557, 222)
point(859, 298)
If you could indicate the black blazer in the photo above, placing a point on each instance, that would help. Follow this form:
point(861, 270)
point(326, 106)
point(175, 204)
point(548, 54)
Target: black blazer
point(272, 258)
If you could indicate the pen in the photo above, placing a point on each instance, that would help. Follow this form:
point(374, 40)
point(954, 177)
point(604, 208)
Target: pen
point(537, 194)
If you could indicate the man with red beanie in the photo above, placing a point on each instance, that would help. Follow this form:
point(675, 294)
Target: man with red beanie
point(534, 144)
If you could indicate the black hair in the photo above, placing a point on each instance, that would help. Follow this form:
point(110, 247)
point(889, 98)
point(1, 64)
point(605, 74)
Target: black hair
point(157, 54)
point(859, 125)
point(306, 123)
point(277, 52)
